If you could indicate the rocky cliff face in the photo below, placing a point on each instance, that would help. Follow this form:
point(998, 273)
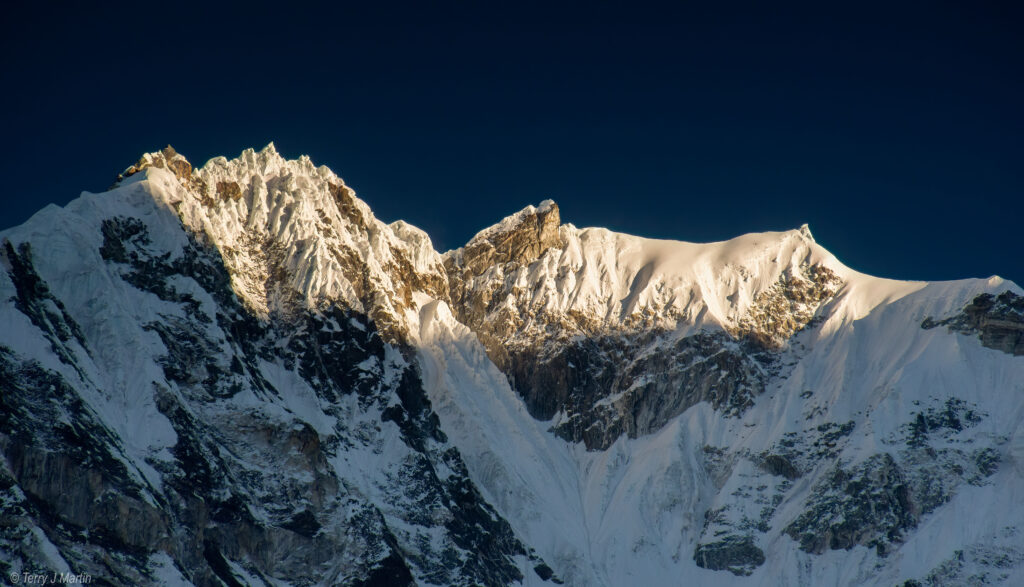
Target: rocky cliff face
point(238, 375)
point(998, 321)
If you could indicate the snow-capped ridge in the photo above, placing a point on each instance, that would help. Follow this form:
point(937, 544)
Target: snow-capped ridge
point(612, 279)
point(594, 274)
point(295, 236)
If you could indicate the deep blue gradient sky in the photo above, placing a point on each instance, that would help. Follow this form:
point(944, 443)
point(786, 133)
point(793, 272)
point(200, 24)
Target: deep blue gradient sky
point(897, 132)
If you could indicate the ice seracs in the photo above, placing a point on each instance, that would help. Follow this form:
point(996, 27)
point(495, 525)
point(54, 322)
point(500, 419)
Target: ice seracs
point(294, 236)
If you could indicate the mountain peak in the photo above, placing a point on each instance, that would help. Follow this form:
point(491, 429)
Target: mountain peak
point(266, 157)
point(805, 230)
point(521, 237)
point(514, 221)
point(166, 158)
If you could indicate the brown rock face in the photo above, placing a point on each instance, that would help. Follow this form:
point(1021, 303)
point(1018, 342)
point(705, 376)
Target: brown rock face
point(168, 158)
point(179, 165)
point(788, 306)
point(347, 206)
point(999, 321)
point(516, 244)
point(522, 243)
point(229, 190)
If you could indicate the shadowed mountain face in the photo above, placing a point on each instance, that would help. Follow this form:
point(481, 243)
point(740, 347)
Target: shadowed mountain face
point(238, 375)
point(297, 446)
point(248, 487)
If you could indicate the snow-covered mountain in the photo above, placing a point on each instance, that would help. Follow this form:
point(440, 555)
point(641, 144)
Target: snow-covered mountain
point(238, 375)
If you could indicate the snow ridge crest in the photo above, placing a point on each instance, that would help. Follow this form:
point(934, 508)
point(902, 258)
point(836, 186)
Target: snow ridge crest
point(295, 237)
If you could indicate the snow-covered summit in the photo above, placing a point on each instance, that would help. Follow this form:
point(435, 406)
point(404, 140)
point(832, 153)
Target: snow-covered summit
point(594, 280)
point(293, 236)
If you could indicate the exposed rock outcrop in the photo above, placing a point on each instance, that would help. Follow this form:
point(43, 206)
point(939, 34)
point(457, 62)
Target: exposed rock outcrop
point(168, 158)
point(788, 306)
point(599, 389)
point(738, 555)
point(229, 190)
point(519, 239)
point(997, 320)
point(869, 505)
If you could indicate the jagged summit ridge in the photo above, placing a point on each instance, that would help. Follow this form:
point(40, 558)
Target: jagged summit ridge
point(600, 280)
point(295, 236)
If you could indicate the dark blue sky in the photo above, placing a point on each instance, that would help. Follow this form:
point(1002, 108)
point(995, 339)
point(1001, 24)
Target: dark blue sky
point(897, 132)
